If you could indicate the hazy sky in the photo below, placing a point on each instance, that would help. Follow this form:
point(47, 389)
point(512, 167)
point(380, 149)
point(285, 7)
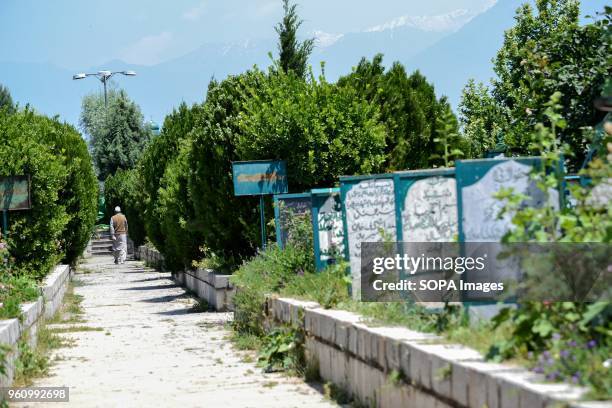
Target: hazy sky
point(80, 34)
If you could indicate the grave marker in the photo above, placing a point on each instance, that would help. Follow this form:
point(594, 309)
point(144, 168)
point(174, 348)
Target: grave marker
point(368, 211)
point(284, 206)
point(327, 226)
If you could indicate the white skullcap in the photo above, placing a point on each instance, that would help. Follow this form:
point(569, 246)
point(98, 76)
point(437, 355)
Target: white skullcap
point(117, 209)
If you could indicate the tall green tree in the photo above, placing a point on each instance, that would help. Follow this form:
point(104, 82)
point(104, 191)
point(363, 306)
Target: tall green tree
point(409, 110)
point(293, 55)
point(546, 51)
point(118, 133)
point(6, 101)
point(483, 120)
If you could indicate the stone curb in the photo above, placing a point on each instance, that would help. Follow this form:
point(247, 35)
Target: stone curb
point(443, 374)
point(12, 330)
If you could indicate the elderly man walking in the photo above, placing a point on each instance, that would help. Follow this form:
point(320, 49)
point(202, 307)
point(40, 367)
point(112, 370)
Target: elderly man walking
point(119, 230)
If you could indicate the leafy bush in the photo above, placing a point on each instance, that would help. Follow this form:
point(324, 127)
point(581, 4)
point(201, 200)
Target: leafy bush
point(35, 236)
point(289, 271)
point(541, 328)
point(15, 290)
point(124, 189)
point(229, 224)
point(79, 196)
point(283, 350)
point(409, 109)
point(322, 130)
point(181, 241)
point(158, 154)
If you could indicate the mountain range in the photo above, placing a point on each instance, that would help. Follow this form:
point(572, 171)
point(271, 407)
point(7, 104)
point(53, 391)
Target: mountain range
point(448, 50)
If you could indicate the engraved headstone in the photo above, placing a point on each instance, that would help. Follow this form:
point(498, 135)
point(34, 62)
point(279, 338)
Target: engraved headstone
point(481, 210)
point(430, 211)
point(369, 207)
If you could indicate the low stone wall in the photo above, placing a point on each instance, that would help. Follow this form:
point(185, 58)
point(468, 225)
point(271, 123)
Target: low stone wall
point(215, 289)
point(13, 330)
point(360, 359)
point(150, 256)
point(207, 285)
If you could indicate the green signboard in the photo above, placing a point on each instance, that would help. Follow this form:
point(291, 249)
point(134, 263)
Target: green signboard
point(15, 193)
point(261, 177)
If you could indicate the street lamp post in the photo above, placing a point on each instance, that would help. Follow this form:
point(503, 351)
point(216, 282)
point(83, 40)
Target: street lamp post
point(103, 76)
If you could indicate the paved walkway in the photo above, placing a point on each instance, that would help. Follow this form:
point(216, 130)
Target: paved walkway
point(149, 349)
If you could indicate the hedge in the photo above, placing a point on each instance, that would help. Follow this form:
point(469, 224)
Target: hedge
point(63, 190)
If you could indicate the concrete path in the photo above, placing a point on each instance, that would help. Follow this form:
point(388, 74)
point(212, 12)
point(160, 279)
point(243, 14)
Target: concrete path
point(147, 348)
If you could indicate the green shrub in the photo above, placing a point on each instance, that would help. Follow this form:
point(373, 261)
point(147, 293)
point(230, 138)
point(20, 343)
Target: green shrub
point(410, 111)
point(229, 224)
point(161, 151)
point(322, 130)
point(283, 350)
point(124, 189)
point(35, 236)
point(181, 241)
point(64, 190)
point(80, 192)
point(15, 290)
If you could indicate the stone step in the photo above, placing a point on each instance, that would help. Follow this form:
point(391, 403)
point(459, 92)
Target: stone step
point(101, 246)
point(102, 243)
point(96, 253)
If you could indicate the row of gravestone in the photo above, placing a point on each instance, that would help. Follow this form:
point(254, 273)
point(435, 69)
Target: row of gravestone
point(438, 205)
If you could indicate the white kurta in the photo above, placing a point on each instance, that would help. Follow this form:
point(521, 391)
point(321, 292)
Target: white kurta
point(119, 245)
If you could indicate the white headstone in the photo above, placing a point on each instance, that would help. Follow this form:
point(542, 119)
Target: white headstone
point(480, 209)
point(430, 211)
point(370, 217)
point(331, 232)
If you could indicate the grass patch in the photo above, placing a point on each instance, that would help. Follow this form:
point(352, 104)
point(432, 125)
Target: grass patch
point(14, 291)
point(71, 310)
point(270, 384)
point(34, 362)
point(76, 329)
point(246, 341)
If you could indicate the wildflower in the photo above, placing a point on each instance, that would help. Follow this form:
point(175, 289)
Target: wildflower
point(576, 377)
point(538, 370)
point(564, 353)
point(591, 344)
point(572, 343)
point(607, 363)
point(546, 354)
point(556, 336)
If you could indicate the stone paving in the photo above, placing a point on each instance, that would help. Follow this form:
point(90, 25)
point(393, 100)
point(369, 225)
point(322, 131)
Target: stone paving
point(146, 347)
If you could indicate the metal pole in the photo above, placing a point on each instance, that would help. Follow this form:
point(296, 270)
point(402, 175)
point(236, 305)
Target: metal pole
point(105, 97)
point(263, 222)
